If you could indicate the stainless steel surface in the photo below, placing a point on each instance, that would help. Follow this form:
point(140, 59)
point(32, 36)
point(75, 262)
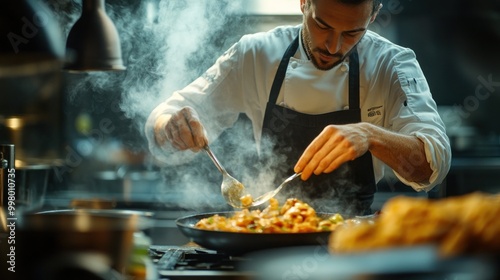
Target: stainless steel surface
point(265, 197)
point(56, 234)
point(232, 189)
point(7, 160)
point(31, 185)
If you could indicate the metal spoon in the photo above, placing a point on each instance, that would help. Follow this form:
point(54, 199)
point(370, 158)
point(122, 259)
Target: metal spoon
point(265, 197)
point(232, 190)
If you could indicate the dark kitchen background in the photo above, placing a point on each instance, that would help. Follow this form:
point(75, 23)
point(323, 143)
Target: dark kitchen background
point(86, 129)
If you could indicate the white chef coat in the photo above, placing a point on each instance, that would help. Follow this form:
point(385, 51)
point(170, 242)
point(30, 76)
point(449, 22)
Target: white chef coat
point(394, 94)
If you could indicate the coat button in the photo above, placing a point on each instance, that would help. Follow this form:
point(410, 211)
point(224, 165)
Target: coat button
point(344, 67)
point(294, 64)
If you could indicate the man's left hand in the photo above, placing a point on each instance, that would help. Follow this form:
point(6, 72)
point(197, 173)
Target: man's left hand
point(335, 145)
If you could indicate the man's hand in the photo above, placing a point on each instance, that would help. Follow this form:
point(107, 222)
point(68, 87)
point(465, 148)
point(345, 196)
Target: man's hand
point(335, 145)
point(183, 130)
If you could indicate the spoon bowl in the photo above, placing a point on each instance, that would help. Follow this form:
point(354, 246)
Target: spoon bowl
point(232, 190)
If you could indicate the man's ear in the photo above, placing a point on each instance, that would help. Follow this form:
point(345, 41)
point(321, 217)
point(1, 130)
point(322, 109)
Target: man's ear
point(303, 5)
point(374, 16)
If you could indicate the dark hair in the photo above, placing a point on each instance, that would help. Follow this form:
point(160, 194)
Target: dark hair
point(376, 3)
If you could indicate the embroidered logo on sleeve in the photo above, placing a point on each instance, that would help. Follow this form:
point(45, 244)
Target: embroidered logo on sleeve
point(374, 111)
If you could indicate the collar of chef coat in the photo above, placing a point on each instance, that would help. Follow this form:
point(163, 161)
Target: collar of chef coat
point(311, 91)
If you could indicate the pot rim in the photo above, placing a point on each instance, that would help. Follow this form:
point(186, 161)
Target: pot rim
point(87, 220)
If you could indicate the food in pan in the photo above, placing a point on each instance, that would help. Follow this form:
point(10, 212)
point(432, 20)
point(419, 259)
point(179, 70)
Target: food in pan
point(458, 225)
point(294, 216)
point(246, 200)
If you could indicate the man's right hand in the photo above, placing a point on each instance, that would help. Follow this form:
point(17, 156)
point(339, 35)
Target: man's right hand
point(183, 130)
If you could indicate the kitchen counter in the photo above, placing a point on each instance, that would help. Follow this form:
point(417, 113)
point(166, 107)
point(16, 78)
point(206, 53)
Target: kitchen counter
point(165, 231)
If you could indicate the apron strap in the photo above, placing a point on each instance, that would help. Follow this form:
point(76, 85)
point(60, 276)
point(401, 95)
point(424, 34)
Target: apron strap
point(354, 80)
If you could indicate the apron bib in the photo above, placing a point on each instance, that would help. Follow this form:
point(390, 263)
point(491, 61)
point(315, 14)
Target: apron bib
point(348, 189)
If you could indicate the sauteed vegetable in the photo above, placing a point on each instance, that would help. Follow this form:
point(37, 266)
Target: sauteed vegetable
point(293, 217)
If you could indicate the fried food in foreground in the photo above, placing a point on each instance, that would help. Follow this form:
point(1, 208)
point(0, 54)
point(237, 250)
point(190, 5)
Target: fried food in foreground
point(294, 216)
point(459, 225)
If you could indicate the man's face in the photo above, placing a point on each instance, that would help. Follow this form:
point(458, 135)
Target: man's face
point(332, 29)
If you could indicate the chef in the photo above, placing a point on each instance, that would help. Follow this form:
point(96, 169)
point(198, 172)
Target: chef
point(340, 101)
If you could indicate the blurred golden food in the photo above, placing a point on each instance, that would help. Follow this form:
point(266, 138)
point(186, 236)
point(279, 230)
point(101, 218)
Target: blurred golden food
point(459, 225)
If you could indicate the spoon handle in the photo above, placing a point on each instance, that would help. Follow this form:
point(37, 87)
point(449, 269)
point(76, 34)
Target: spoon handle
point(214, 159)
point(293, 177)
point(287, 180)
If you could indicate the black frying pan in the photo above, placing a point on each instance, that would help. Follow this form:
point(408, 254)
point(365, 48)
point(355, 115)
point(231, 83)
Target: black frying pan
point(235, 243)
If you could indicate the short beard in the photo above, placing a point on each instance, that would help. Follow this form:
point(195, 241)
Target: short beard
point(307, 47)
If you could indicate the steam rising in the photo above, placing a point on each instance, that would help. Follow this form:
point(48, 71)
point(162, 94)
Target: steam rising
point(165, 46)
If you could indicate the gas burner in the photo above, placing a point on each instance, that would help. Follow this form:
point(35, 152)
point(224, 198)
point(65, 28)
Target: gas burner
point(184, 262)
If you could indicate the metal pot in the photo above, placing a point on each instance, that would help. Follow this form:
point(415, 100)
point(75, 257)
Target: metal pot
point(23, 181)
point(47, 238)
point(32, 181)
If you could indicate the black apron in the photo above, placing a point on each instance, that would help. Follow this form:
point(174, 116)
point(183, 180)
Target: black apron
point(348, 189)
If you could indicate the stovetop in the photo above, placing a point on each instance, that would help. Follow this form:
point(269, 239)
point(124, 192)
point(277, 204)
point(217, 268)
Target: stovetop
point(416, 263)
point(193, 262)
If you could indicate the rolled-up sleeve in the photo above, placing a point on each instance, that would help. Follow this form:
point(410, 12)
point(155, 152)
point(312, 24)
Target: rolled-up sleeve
point(416, 114)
